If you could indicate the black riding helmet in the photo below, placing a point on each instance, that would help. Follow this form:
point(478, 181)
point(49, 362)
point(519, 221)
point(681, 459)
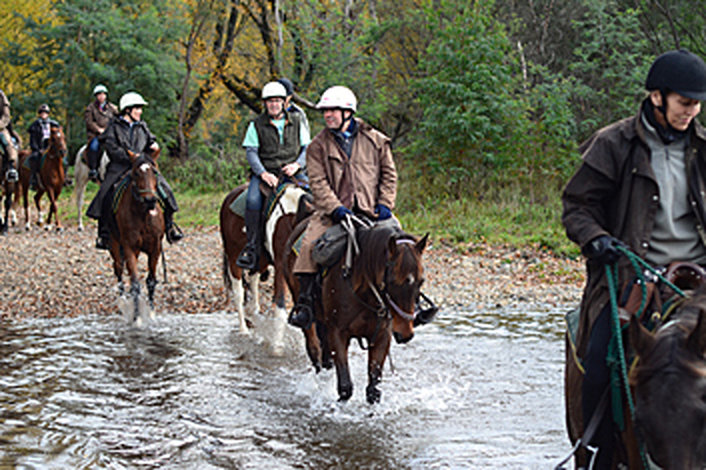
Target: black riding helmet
point(679, 71)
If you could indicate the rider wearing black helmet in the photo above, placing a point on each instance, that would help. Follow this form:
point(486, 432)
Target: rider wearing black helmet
point(39, 132)
point(641, 184)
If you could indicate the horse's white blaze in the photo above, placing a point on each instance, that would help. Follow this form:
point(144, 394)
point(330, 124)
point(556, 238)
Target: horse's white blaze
point(287, 204)
point(145, 167)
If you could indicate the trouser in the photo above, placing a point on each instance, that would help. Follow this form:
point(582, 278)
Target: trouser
point(595, 381)
point(93, 152)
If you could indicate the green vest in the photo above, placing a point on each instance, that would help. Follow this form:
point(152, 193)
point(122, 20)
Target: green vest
point(273, 154)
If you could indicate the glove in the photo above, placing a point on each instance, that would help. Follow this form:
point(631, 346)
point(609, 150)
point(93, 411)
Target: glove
point(383, 212)
point(603, 249)
point(93, 175)
point(339, 213)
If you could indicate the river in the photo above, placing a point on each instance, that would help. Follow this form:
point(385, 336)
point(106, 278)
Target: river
point(478, 388)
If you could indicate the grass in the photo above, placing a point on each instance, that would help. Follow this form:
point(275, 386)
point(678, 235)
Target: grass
point(461, 223)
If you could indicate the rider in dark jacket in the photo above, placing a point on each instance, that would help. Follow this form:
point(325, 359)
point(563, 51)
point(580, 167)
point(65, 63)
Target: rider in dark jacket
point(39, 132)
point(127, 134)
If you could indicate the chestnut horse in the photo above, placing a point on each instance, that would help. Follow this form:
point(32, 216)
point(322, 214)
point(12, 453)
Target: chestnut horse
point(138, 227)
point(81, 179)
point(668, 385)
point(50, 177)
point(289, 208)
point(375, 301)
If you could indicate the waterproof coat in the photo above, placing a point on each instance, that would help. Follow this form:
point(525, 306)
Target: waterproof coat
point(97, 119)
point(360, 183)
point(9, 150)
point(614, 192)
point(117, 139)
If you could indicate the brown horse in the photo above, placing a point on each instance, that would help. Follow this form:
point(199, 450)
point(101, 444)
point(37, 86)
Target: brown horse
point(138, 227)
point(50, 177)
point(8, 185)
point(668, 386)
point(289, 208)
point(375, 301)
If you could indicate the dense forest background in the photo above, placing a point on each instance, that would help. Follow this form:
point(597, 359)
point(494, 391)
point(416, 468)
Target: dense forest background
point(484, 100)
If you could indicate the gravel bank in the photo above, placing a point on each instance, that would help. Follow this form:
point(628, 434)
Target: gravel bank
point(45, 273)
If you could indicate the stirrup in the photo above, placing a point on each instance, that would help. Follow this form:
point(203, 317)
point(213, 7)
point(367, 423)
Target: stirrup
point(247, 259)
point(12, 176)
point(174, 234)
point(102, 243)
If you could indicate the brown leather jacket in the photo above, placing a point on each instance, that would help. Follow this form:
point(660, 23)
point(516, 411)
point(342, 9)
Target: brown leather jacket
point(614, 192)
point(97, 119)
point(366, 179)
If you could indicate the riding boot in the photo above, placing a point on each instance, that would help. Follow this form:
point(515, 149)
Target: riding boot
point(174, 233)
point(303, 312)
point(249, 257)
point(103, 240)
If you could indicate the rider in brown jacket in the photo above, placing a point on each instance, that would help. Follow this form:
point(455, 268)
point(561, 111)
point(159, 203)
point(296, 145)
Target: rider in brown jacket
point(9, 152)
point(97, 115)
point(351, 170)
point(642, 183)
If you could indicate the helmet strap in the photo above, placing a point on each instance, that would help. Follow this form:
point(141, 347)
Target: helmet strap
point(666, 132)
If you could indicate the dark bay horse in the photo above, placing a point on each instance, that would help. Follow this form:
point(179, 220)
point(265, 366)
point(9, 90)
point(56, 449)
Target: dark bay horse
point(138, 228)
point(376, 301)
point(289, 208)
point(8, 186)
point(50, 177)
point(668, 385)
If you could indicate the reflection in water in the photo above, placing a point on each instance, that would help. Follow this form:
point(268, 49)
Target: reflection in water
point(473, 390)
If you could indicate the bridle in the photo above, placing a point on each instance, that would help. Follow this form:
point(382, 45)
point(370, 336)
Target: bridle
point(145, 196)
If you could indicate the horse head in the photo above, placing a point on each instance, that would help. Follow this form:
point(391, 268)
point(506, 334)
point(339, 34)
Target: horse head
point(670, 386)
point(404, 275)
point(57, 142)
point(144, 181)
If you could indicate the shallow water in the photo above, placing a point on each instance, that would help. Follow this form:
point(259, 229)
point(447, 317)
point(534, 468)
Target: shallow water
point(475, 389)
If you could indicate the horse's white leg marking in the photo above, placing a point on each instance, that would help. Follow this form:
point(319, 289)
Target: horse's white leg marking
point(279, 326)
point(81, 176)
point(253, 306)
point(238, 299)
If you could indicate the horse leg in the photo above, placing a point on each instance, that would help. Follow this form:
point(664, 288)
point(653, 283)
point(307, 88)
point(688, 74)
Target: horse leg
point(280, 320)
point(376, 359)
point(253, 300)
point(151, 277)
point(81, 180)
point(37, 197)
point(130, 258)
point(53, 209)
point(340, 358)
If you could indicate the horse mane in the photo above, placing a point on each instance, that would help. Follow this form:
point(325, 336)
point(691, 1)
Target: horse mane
point(370, 264)
point(670, 349)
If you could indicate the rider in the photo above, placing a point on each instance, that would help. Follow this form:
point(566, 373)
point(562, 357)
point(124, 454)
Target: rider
point(642, 184)
point(289, 103)
point(351, 170)
point(9, 151)
point(39, 132)
point(126, 134)
point(275, 144)
point(97, 115)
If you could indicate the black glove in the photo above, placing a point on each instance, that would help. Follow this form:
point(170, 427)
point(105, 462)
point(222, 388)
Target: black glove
point(93, 175)
point(339, 213)
point(603, 249)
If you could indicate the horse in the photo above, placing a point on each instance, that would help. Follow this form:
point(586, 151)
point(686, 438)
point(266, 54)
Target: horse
point(376, 300)
point(668, 385)
point(138, 228)
point(50, 177)
point(292, 205)
point(81, 179)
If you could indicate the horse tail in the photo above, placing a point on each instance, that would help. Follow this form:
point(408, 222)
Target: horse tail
point(227, 280)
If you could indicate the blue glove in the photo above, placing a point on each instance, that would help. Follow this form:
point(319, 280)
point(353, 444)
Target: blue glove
point(383, 212)
point(340, 212)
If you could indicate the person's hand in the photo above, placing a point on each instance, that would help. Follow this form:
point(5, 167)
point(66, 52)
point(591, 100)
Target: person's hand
point(603, 249)
point(93, 175)
point(269, 179)
point(383, 212)
point(290, 169)
point(339, 213)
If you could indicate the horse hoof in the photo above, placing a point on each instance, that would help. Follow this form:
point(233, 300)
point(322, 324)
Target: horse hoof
point(345, 394)
point(373, 395)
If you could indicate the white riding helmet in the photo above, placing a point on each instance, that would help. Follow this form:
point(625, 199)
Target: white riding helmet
point(338, 97)
point(274, 90)
point(100, 89)
point(130, 99)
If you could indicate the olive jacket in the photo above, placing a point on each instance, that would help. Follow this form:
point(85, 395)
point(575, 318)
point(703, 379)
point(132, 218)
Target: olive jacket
point(614, 192)
point(365, 180)
point(97, 118)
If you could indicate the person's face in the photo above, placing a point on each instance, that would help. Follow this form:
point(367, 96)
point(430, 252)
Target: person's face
point(334, 118)
point(43, 115)
point(274, 106)
point(135, 113)
point(680, 109)
point(101, 97)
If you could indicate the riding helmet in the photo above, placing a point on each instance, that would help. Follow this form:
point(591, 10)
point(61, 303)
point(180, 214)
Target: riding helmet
point(679, 71)
point(274, 90)
point(287, 84)
point(338, 97)
point(131, 99)
point(100, 89)
point(43, 108)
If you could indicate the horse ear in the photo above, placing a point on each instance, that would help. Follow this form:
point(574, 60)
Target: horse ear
point(421, 244)
point(697, 338)
point(642, 340)
point(391, 246)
